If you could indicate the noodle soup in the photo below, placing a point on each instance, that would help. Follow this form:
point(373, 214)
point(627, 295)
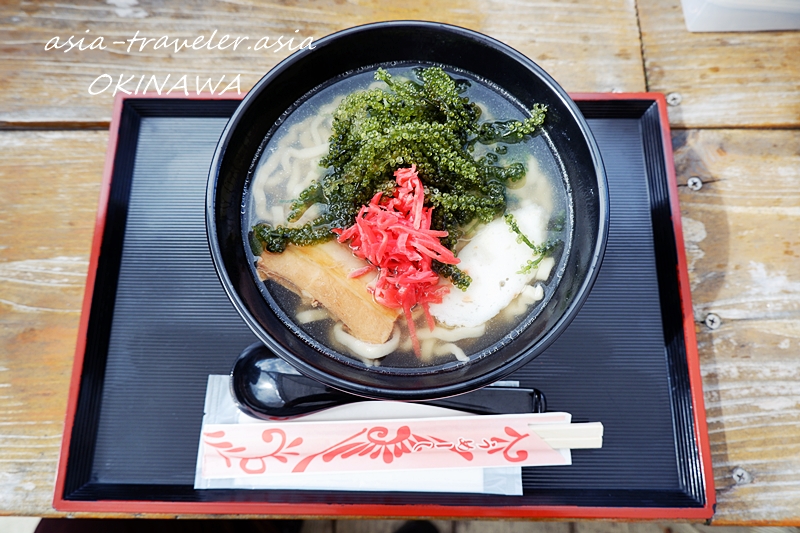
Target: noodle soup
point(512, 260)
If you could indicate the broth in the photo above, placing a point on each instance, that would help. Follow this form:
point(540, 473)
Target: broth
point(288, 162)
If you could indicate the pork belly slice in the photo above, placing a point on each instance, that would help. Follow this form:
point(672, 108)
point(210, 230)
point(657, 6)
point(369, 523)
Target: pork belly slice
point(320, 272)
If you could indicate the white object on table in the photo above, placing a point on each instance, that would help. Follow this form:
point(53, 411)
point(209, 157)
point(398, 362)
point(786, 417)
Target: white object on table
point(220, 409)
point(741, 15)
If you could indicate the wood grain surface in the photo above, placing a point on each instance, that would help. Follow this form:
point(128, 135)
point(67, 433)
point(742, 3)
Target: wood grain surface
point(49, 187)
point(743, 248)
point(586, 46)
point(741, 240)
point(742, 228)
point(724, 80)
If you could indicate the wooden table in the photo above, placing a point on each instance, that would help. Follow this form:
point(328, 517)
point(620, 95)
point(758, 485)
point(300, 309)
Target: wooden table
point(735, 115)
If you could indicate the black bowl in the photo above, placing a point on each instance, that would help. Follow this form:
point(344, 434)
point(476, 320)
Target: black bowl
point(569, 139)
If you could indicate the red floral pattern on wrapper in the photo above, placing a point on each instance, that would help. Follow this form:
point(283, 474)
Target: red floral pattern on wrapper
point(226, 450)
point(243, 450)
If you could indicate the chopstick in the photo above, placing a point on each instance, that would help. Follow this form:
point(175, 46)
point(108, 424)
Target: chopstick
point(572, 436)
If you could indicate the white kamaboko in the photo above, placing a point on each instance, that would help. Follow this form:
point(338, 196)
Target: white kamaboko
point(493, 259)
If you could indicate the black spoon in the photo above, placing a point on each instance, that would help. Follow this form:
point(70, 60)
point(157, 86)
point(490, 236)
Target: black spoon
point(265, 386)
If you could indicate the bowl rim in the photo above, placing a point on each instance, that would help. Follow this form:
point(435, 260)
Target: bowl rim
point(549, 336)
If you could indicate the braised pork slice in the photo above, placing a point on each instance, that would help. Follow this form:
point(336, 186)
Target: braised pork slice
point(320, 272)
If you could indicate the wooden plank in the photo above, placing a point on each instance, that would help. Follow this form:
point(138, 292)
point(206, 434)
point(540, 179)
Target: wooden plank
point(385, 526)
point(317, 526)
point(741, 240)
point(485, 526)
point(742, 243)
point(724, 79)
point(49, 187)
point(620, 527)
point(591, 46)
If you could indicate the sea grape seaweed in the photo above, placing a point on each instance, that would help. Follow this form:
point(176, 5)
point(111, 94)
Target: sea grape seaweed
point(426, 122)
point(541, 250)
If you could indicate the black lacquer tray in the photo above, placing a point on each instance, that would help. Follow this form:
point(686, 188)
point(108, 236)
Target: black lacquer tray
point(157, 322)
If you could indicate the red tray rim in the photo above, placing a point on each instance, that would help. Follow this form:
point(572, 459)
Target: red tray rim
point(341, 511)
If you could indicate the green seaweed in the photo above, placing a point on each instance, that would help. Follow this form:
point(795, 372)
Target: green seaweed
point(425, 122)
point(541, 250)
